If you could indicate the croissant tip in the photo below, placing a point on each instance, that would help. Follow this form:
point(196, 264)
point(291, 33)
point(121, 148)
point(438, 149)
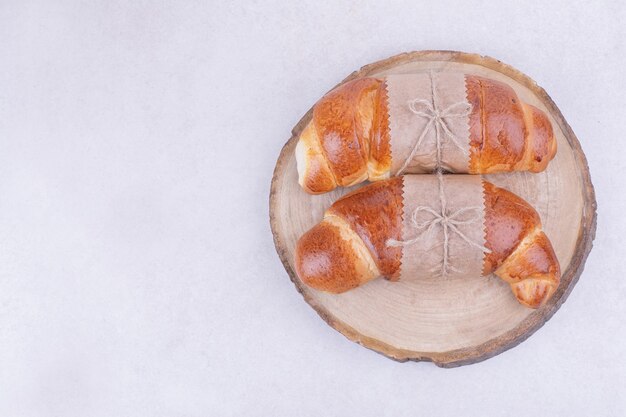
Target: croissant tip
point(544, 141)
point(534, 293)
point(327, 262)
point(314, 175)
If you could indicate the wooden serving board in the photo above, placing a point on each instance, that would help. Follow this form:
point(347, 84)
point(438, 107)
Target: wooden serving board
point(449, 322)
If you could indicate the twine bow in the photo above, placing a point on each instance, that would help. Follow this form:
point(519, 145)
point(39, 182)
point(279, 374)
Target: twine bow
point(448, 220)
point(437, 118)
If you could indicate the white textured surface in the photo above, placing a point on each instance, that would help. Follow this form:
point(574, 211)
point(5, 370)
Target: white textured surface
point(137, 271)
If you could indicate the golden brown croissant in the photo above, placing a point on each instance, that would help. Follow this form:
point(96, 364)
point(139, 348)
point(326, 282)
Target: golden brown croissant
point(348, 139)
point(349, 247)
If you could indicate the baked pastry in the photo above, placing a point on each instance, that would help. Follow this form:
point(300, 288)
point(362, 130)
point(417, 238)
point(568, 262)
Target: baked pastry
point(371, 233)
point(358, 130)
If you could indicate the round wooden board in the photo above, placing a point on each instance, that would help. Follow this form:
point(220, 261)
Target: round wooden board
point(448, 322)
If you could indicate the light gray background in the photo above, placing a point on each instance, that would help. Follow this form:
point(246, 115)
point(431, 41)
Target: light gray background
point(138, 275)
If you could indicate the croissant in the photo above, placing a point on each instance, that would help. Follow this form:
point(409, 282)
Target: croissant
point(348, 139)
point(349, 247)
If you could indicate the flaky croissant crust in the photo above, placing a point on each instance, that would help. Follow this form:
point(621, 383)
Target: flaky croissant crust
point(347, 141)
point(348, 248)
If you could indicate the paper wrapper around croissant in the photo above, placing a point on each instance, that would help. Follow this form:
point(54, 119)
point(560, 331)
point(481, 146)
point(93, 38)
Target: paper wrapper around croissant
point(423, 248)
point(439, 233)
point(413, 102)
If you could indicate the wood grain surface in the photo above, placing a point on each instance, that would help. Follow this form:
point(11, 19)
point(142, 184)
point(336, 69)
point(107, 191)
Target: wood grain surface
point(459, 321)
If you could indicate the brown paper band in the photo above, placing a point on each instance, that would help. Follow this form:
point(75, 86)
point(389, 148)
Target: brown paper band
point(443, 226)
point(428, 122)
